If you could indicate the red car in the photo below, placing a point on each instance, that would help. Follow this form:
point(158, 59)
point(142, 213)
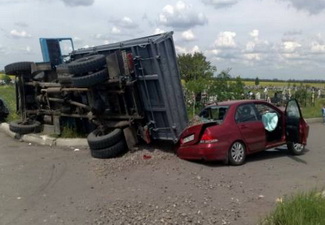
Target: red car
point(231, 130)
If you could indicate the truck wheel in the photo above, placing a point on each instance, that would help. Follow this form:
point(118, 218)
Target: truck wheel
point(87, 64)
point(90, 80)
point(18, 68)
point(110, 152)
point(296, 148)
point(99, 139)
point(25, 127)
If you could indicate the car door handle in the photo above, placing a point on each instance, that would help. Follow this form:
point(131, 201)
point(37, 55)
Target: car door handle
point(243, 126)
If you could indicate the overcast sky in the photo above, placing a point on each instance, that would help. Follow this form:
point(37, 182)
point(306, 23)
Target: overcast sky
point(282, 39)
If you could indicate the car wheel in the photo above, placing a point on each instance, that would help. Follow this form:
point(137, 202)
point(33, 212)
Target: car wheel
point(296, 148)
point(237, 153)
point(25, 127)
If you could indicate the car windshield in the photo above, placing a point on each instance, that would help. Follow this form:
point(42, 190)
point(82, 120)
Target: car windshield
point(214, 113)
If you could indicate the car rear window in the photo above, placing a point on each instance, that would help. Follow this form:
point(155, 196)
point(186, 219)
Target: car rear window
point(214, 113)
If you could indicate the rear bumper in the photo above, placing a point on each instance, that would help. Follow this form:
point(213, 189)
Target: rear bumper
point(208, 152)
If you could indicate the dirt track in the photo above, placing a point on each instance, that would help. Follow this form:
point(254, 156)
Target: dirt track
point(44, 185)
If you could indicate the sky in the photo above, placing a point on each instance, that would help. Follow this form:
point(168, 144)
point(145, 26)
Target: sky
point(273, 39)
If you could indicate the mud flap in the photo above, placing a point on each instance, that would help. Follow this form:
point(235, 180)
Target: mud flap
point(130, 137)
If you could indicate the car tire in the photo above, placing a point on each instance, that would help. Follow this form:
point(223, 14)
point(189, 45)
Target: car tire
point(27, 127)
point(113, 151)
point(18, 68)
point(237, 153)
point(87, 64)
point(296, 148)
point(90, 80)
point(99, 139)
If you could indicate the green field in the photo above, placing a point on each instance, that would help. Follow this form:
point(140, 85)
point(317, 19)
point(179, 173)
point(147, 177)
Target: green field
point(284, 84)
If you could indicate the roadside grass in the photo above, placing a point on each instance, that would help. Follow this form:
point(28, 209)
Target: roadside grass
point(7, 94)
point(313, 111)
point(69, 132)
point(304, 208)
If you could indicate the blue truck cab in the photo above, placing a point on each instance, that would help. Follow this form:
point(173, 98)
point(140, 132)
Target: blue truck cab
point(54, 50)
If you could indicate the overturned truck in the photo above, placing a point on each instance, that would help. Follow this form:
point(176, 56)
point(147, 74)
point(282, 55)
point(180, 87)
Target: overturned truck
point(117, 93)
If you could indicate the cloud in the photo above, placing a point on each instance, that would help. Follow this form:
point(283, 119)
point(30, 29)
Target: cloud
point(183, 50)
point(159, 31)
point(19, 34)
point(28, 49)
point(220, 3)
point(21, 24)
point(317, 47)
point(188, 35)
point(125, 22)
point(225, 39)
point(115, 30)
point(311, 6)
point(73, 3)
point(290, 46)
point(2, 49)
point(292, 33)
point(181, 16)
point(254, 34)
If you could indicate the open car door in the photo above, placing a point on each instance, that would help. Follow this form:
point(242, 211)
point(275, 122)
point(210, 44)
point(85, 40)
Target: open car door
point(296, 127)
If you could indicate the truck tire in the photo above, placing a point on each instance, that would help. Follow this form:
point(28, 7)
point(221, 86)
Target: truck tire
point(25, 127)
point(110, 152)
point(91, 79)
point(98, 139)
point(18, 68)
point(87, 64)
point(65, 78)
point(62, 69)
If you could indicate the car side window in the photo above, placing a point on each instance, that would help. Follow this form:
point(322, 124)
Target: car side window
point(245, 113)
point(262, 109)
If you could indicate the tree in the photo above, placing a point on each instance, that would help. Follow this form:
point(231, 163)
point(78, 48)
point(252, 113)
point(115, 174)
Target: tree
point(257, 81)
point(195, 66)
point(237, 88)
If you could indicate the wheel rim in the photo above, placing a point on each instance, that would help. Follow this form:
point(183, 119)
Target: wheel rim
point(298, 147)
point(237, 152)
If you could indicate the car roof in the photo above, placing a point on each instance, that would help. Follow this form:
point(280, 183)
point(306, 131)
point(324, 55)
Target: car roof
point(238, 102)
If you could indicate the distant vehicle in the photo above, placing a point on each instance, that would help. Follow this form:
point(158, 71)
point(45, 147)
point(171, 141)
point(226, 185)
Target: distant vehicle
point(117, 93)
point(231, 130)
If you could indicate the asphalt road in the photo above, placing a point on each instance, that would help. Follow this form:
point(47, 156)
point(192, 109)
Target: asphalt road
point(50, 185)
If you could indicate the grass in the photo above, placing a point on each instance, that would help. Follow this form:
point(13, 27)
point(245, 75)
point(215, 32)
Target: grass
point(313, 111)
point(299, 209)
point(7, 94)
point(71, 132)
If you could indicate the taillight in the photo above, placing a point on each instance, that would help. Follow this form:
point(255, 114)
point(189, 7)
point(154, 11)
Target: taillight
point(207, 138)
